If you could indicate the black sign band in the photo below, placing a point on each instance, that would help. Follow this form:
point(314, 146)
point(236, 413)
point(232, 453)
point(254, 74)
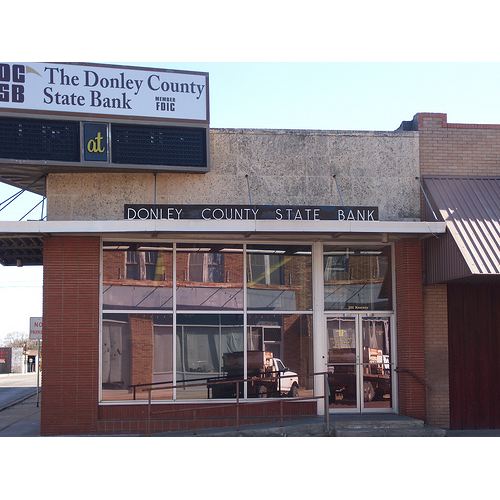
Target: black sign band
point(249, 212)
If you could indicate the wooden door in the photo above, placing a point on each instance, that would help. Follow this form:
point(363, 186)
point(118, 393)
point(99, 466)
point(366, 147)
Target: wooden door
point(474, 356)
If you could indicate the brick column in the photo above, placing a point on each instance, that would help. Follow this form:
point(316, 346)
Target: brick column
point(436, 354)
point(70, 335)
point(410, 327)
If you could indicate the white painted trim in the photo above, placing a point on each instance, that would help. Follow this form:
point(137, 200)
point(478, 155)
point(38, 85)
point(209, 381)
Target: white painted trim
point(215, 226)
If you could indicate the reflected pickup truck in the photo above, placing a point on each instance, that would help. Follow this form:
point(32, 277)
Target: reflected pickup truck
point(267, 376)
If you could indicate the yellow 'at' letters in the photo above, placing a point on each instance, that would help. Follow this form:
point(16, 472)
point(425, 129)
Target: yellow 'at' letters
point(94, 146)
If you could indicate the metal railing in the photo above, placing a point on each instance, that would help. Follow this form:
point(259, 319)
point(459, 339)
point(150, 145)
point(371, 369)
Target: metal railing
point(236, 403)
point(427, 387)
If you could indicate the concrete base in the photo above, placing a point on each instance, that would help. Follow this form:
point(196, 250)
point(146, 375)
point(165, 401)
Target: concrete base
point(382, 425)
point(340, 426)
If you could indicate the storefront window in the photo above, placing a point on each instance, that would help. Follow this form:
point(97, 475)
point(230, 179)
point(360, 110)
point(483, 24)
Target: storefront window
point(137, 277)
point(279, 278)
point(186, 340)
point(357, 279)
point(202, 344)
point(209, 277)
point(136, 353)
point(286, 340)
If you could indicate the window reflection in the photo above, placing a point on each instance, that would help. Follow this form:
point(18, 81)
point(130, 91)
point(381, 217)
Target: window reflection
point(376, 362)
point(279, 278)
point(137, 277)
point(209, 277)
point(136, 352)
point(359, 362)
point(287, 341)
point(141, 304)
point(342, 377)
point(202, 342)
point(357, 279)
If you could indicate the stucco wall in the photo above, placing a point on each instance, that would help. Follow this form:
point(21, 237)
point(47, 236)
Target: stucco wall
point(284, 167)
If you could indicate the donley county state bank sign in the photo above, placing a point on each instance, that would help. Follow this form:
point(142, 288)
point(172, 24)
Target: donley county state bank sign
point(70, 117)
point(111, 90)
point(249, 212)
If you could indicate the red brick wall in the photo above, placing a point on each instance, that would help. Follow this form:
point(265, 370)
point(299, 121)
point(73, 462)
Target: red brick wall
point(133, 419)
point(410, 327)
point(436, 355)
point(457, 149)
point(449, 149)
point(70, 335)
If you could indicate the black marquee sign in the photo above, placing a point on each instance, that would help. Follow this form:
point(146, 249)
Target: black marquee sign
point(250, 212)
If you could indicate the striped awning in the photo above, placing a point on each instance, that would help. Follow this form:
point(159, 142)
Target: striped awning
point(470, 206)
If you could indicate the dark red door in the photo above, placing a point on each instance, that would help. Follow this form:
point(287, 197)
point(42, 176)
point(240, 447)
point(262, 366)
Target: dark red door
point(474, 356)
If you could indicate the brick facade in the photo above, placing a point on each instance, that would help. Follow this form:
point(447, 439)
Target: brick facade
point(133, 419)
point(71, 357)
point(70, 335)
point(410, 328)
point(71, 350)
point(436, 355)
point(453, 150)
point(457, 149)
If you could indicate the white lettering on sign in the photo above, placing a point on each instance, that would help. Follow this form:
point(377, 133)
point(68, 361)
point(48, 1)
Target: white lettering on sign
point(170, 213)
point(297, 214)
point(357, 215)
point(250, 213)
point(230, 213)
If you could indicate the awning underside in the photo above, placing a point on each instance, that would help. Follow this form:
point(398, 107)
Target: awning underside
point(21, 250)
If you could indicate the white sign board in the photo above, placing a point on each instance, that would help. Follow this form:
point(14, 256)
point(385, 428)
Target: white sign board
point(35, 328)
point(104, 90)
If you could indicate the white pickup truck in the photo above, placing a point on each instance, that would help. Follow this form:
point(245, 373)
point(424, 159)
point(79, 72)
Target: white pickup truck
point(288, 381)
point(266, 376)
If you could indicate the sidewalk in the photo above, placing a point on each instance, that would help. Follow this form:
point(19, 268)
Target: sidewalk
point(15, 387)
point(21, 419)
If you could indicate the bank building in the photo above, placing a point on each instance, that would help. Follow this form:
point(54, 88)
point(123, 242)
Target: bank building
point(198, 277)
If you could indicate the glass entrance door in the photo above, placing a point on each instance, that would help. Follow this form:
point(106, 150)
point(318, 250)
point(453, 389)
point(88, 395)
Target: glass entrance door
point(359, 362)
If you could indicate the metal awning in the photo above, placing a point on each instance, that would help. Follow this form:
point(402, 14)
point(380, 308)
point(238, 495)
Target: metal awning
point(470, 249)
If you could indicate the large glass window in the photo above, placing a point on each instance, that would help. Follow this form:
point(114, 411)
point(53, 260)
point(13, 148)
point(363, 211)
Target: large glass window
point(175, 315)
point(203, 341)
point(209, 277)
point(279, 278)
point(357, 279)
point(136, 353)
point(137, 277)
point(287, 340)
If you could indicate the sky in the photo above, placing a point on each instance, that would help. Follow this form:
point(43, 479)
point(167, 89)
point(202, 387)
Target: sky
point(324, 96)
